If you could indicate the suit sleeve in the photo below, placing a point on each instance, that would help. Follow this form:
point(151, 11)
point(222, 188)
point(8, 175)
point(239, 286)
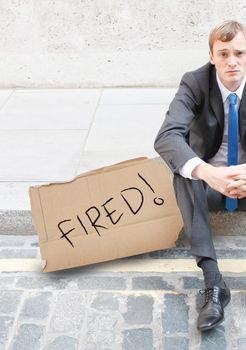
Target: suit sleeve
point(172, 141)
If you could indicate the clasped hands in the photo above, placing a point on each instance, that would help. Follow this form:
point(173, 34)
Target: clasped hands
point(228, 180)
point(236, 188)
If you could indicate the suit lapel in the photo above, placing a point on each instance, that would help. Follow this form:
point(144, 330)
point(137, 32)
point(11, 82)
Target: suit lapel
point(242, 110)
point(216, 101)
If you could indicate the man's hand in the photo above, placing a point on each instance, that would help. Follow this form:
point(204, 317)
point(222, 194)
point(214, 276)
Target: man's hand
point(237, 188)
point(222, 179)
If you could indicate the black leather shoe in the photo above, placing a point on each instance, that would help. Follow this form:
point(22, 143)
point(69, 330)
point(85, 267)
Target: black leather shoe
point(212, 312)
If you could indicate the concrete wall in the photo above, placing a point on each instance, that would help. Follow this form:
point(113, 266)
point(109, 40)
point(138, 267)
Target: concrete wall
point(93, 43)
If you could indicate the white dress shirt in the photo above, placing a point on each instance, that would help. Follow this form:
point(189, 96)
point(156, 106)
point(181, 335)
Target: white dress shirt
point(220, 158)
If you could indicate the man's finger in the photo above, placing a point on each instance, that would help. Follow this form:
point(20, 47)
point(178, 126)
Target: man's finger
point(236, 184)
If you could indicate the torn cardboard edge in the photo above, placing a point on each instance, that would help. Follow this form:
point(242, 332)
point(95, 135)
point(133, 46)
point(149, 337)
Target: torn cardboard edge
point(112, 167)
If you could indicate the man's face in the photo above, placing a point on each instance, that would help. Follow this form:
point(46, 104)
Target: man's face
point(229, 59)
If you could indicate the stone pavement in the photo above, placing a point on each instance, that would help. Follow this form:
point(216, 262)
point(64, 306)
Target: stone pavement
point(144, 302)
point(100, 307)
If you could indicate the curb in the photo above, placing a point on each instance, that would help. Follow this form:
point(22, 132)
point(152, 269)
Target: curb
point(16, 222)
point(19, 222)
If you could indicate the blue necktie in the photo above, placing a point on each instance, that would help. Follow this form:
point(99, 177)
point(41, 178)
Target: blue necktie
point(232, 155)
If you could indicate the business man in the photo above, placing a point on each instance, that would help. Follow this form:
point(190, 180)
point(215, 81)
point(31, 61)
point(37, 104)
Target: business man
point(203, 140)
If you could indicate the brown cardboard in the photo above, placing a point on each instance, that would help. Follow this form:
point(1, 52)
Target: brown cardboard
point(113, 212)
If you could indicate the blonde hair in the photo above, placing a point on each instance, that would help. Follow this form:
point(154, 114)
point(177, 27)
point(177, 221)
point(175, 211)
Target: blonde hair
point(225, 31)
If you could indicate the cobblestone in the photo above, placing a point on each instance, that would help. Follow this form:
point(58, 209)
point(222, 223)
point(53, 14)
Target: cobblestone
point(41, 282)
point(176, 343)
point(138, 339)
point(149, 283)
point(238, 309)
point(9, 301)
point(63, 343)
point(236, 282)
point(101, 331)
point(193, 283)
point(175, 316)
point(101, 283)
point(36, 306)
point(28, 337)
point(214, 339)
point(68, 313)
point(232, 282)
point(105, 302)
point(6, 323)
point(139, 310)
point(6, 282)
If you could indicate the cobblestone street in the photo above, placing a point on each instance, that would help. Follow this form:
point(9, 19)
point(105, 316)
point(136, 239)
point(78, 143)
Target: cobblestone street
point(92, 308)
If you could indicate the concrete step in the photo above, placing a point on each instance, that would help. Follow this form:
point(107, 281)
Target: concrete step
point(16, 222)
point(19, 222)
point(225, 223)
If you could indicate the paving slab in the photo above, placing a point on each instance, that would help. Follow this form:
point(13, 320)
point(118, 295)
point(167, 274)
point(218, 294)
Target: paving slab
point(49, 109)
point(125, 126)
point(4, 96)
point(100, 159)
point(40, 155)
point(143, 96)
point(14, 195)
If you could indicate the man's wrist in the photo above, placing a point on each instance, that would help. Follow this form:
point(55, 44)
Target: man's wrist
point(187, 168)
point(200, 171)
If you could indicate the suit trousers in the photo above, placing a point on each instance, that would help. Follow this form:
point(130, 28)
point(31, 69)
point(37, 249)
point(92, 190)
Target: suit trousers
point(195, 199)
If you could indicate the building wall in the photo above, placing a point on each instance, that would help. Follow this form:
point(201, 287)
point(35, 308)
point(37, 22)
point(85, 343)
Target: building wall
point(109, 43)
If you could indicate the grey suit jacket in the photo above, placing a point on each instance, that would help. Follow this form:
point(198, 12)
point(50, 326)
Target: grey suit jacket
point(194, 123)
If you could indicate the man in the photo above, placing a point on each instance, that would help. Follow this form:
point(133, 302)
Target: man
point(203, 140)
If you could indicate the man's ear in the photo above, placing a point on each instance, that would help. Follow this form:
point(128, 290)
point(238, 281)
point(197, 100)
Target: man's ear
point(211, 57)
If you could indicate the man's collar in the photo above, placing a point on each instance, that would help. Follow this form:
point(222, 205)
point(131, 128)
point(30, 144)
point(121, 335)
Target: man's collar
point(225, 92)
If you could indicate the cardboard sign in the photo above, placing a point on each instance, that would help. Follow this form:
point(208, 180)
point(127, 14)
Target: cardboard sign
point(109, 213)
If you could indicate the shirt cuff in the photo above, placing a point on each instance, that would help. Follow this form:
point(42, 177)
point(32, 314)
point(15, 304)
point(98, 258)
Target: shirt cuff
point(189, 166)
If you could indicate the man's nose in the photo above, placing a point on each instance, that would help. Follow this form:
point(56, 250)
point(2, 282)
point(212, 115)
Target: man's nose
point(232, 61)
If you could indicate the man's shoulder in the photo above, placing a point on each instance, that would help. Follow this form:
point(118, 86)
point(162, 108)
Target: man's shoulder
point(205, 71)
point(200, 79)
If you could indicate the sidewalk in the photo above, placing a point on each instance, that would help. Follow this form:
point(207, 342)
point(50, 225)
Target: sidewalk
point(146, 302)
point(54, 135)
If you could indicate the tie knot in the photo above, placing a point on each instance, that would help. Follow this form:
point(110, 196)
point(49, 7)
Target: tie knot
point(232, 99)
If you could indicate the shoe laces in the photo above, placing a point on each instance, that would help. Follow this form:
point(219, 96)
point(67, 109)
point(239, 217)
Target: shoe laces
point(211, 294)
